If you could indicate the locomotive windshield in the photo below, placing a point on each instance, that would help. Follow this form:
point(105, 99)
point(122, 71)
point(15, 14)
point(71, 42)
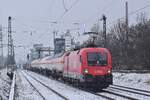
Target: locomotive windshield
point(97, 59)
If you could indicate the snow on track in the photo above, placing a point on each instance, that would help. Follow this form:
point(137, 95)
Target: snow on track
point(131, 90)
point(12, 91)
point(5, 85)
point(43, 90)
point(130, 93)
point(132, 84)
point(120, 94)
point(24, 91)
point(133, 80)
point(76, 94)
point(68, 91)
point(115, 97)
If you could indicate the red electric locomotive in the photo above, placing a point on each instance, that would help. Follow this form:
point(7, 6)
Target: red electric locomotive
point(91, 66)
point(87, 66)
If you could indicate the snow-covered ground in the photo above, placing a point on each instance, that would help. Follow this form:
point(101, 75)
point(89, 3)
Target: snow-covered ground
point(134, 80)
point(65, 90)
point(140, 81)
point(5, 85)
point(24, 91)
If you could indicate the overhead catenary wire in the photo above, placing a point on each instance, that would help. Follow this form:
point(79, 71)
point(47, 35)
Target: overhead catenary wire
point(31, 31)
point(106, 6)
point(63, 14)
point(64, 5)
point(131, 13)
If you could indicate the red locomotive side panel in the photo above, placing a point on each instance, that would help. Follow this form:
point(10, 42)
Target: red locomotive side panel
point(72, 64)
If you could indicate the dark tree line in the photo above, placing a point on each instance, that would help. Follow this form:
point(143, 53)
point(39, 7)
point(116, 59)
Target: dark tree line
point(131, 54)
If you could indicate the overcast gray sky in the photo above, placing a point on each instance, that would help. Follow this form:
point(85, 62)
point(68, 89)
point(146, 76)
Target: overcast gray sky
point(36, 16)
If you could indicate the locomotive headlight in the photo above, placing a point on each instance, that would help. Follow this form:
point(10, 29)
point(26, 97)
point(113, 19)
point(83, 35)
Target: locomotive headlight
point(109, 71)
point(86, 71)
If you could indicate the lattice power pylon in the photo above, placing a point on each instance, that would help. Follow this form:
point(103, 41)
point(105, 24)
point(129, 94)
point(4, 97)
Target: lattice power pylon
point(11, 55)
point(1, 47)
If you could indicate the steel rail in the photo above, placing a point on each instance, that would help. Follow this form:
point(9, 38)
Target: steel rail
point(34, 87)
point(57, 93)
point(97, 94)
point(131, 88)
point(118, 94)
point(103, 96)
point(131, 91)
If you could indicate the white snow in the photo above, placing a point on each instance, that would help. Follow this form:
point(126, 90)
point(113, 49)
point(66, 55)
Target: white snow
point(65, 90)
point(24, 91)
point(12, 90)
point(133, 80)
point(129, 94)
point(5, 85)
point(43, 90)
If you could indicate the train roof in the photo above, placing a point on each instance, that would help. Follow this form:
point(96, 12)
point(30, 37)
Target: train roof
point(93, 48)
point(80, 51)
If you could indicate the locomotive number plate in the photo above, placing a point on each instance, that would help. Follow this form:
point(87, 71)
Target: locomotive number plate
point(98, 71)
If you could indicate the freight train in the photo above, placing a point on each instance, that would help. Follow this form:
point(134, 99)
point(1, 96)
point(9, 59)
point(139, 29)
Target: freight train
point(90, 67)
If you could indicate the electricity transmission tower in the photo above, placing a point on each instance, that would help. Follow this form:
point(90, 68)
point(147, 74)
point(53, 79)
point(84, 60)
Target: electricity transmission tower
point(127, 32)
point(1, 47)
point(11, 54)
point(104, 30)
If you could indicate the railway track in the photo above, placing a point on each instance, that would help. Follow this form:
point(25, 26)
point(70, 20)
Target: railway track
point(12, 90)
point(97, 94)
point(124, 96)
point(138, 90)
point(113, 92)
point(110, 93)
point(35, 88)
point(44, 86)
point(127, 92)
point(100, 95)
point(131, 91)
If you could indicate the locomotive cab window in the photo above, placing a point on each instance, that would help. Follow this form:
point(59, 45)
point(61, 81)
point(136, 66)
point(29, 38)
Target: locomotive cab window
point(81, 59)
point(67, 54)
point(97, 59)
